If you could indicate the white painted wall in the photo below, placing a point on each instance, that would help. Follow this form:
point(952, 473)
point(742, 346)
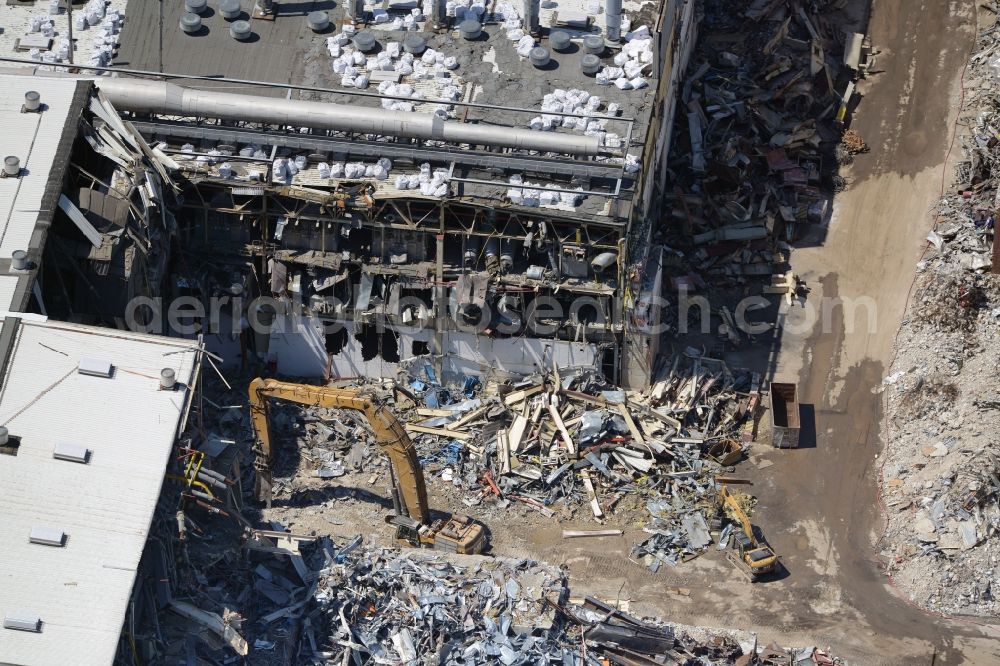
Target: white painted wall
point(302, 352)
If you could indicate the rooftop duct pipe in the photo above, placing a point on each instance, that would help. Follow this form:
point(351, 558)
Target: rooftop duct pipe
point(440, 9)
point(531, 10)
point(613, 20)
point(142, 96)
point(351, 10)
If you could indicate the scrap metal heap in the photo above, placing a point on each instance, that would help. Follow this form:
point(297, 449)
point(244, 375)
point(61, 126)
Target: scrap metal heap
point(941, 477)
point(354, 604)
point(755, 162)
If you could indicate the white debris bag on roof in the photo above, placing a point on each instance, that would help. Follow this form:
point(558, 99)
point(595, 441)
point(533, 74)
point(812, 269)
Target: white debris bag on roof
point(524, 46)
point(632, 69)
point(324, 169)
point(641, 32)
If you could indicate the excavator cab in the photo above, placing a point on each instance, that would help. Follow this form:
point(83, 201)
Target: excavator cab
point(454, 534)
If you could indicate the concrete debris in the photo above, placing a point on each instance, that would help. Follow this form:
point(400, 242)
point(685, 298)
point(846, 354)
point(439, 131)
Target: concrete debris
point(941, 475)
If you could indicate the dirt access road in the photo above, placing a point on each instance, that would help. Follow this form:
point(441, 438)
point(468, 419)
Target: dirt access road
point(818, 504)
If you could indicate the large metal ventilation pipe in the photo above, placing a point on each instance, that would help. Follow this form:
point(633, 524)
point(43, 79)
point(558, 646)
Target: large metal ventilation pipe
point(531, 10)
point(167, 98)
point(613, 20)
point(351, 10)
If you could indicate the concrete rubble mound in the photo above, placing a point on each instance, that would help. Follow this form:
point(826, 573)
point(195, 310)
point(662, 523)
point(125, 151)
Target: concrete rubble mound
point(941, 476)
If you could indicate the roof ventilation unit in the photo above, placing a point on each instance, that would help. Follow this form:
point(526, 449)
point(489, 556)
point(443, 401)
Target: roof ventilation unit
point(593, 44)
point(19, 260)
point(47, 536)
point(539, 56)
point(470, 29)
point(9, 444)
point(168, 378)
point(414, 44)
point(240, 30)
point(190, 23)
point(318, 21)
point(230, 9)
point(196, 6)
point(22, 622)
point(95, 367)
point(364, 41)
point(11, 167)
point(71, 452)
point(560, 40)
point(591, 64)
point(32, 102)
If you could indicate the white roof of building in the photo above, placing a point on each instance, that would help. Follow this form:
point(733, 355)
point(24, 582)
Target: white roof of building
point(80, 591)
point(34, 139)
point(8, 287)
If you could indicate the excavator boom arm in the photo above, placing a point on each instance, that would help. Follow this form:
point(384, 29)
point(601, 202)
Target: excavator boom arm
point(740, 514)
point(389, 433)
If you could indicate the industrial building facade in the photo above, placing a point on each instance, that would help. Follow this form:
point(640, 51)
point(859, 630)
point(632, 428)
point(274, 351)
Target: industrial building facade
point(489, 216)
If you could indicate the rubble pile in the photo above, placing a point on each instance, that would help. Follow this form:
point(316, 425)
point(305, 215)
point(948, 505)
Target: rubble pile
point(755, 160)
point(558, 443)
point(941, 478)
point(356, 604)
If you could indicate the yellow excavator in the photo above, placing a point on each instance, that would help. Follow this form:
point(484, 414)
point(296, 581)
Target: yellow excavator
point(753, 558)
point(412, 517)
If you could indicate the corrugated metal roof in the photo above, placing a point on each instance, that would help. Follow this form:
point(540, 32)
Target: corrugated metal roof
point(105, 507)
point(34, 139)
point(8, 285)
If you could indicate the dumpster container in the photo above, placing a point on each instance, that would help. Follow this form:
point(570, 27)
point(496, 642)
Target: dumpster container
point(785, 424)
